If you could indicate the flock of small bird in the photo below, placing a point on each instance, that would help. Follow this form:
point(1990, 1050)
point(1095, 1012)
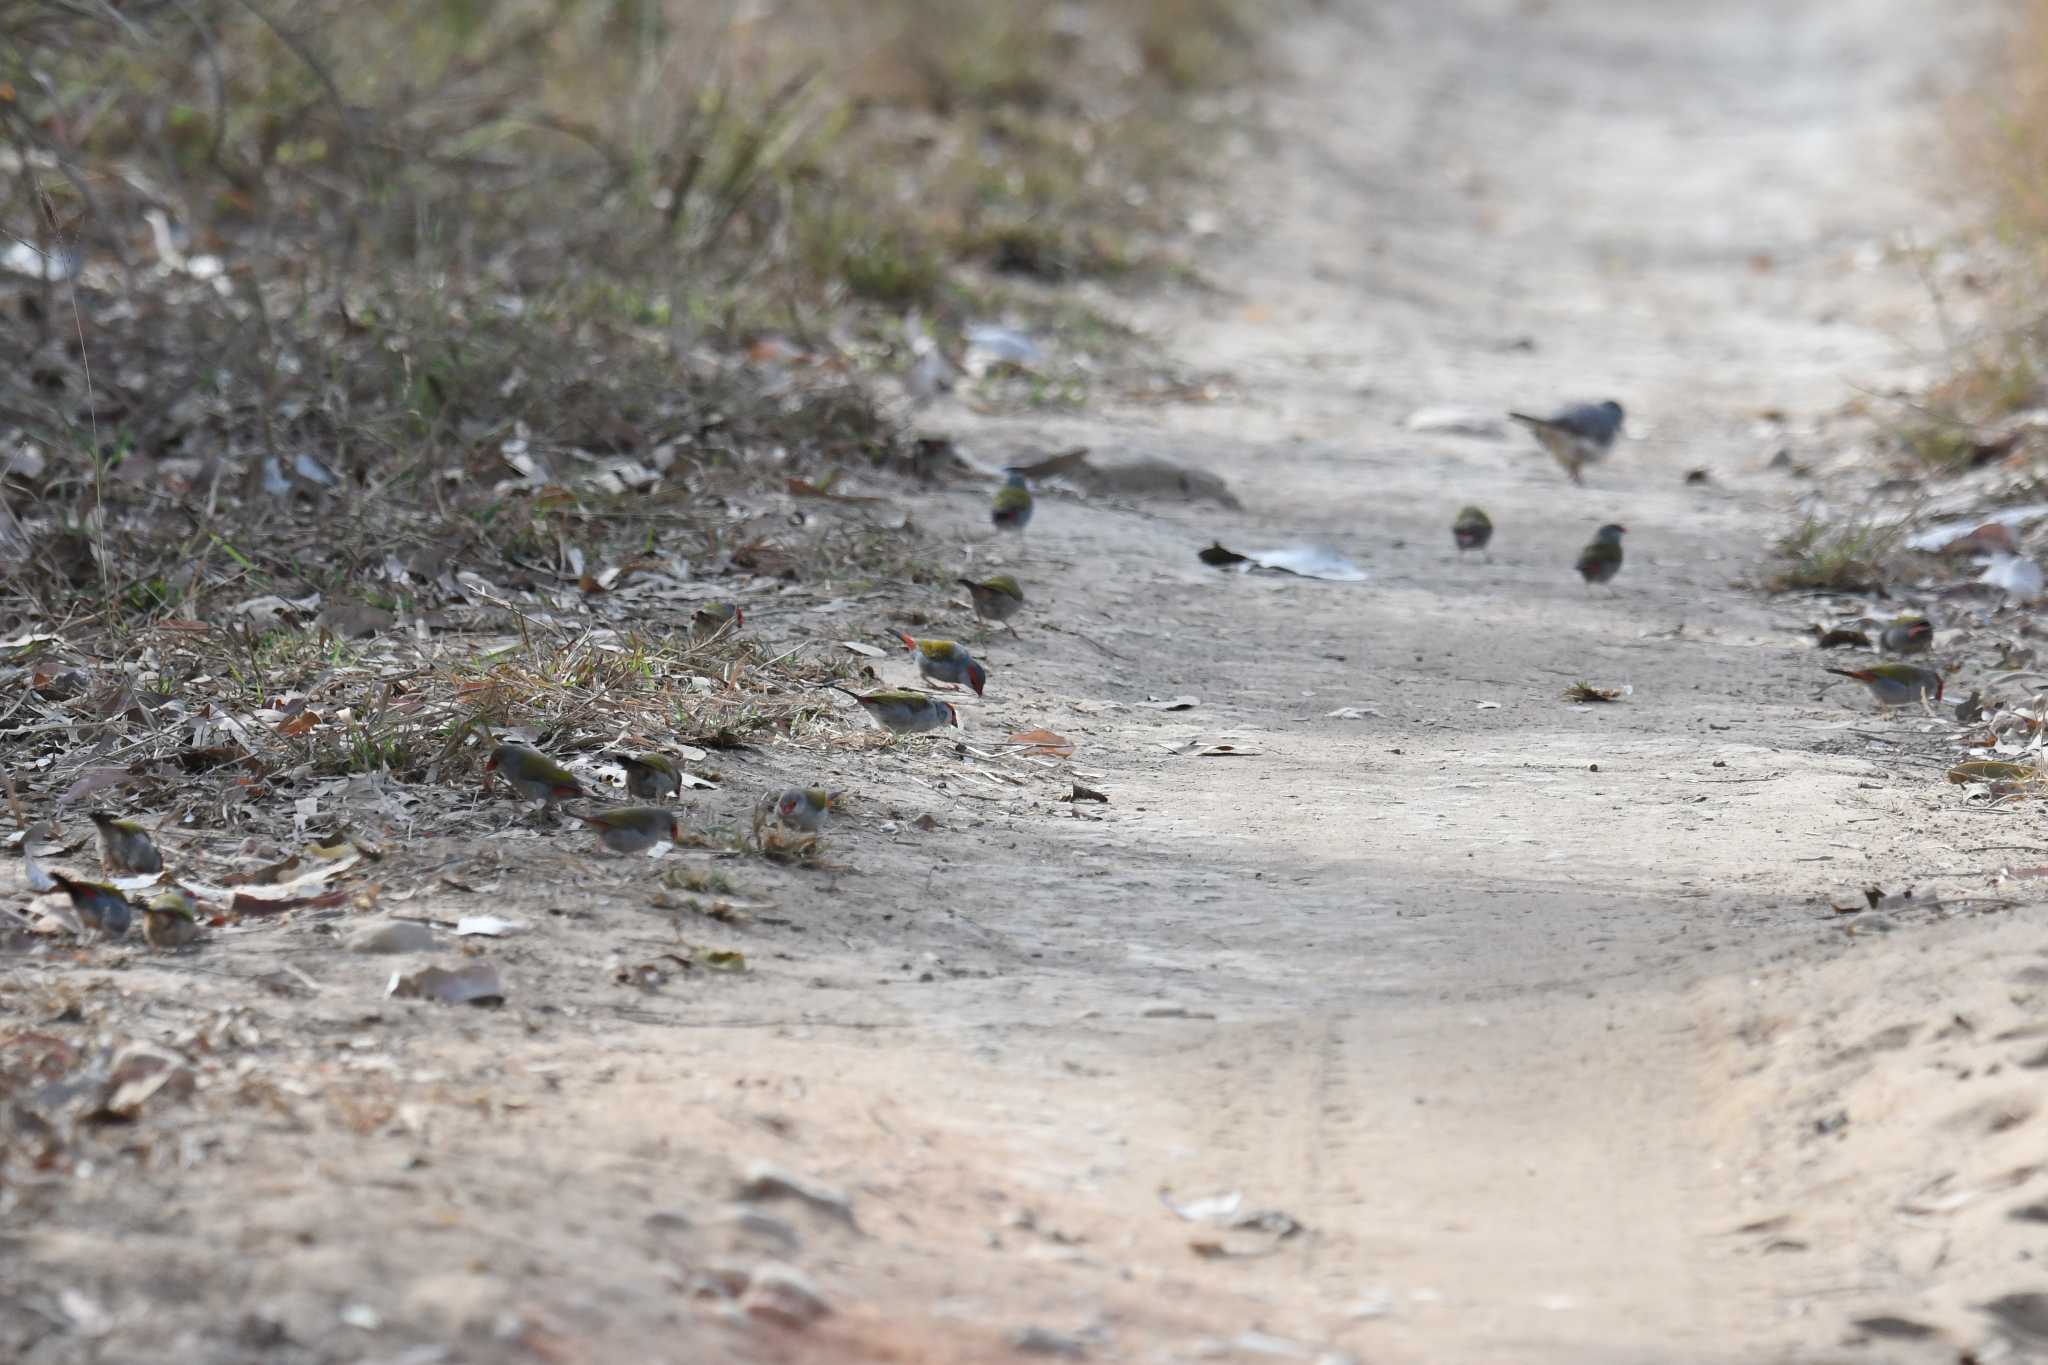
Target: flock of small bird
point(1576, 436)
point(170, 920)
point(1583, 434)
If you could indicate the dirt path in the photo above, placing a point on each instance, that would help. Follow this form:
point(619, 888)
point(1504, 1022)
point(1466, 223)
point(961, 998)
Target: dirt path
point(1485, 990)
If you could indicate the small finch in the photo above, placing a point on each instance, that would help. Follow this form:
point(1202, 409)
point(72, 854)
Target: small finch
point(125, 846)
point(903, 712)
point(633, 829)
point(532, 774)
point(946, 662)
point(170, 920)
point(650, 776)
point(714, 619)
point(1896, 684)
point(1907, 635)
point(100, 909)
point(995, 599)
point(1601, 560)
point(1011, 510)
point(803, 808)
point(1471, 530)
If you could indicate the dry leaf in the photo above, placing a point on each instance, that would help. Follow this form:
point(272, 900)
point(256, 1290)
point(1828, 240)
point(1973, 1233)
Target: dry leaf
point(1081, 793)
point(1585, 691)
point(94, 779)
point(246, 904)
point(1225, 751)
point(489, 926)
point(1043, 742)
point(652, 972)
point(1991, 770)
point(726, 960)
point(1182, 703)
point(865, 650)
point(476, 984)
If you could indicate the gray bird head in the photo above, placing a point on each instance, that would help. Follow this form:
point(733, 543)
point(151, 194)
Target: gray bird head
point(1611, 533)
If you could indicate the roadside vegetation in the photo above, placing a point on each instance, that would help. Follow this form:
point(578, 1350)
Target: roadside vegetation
point(337, 327)
point(1978, 413)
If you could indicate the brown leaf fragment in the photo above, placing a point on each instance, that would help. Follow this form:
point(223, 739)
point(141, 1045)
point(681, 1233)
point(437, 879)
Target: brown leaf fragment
point(1991, 770)
point(1081, 793)
point(93, 780)
point(246, 904)
point(1043, 742)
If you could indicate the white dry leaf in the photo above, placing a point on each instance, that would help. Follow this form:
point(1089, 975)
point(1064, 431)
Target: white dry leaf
point(487, 926)
point(2016, 574)
point(866, 651)
point(270, 609)
point(1212, 1208)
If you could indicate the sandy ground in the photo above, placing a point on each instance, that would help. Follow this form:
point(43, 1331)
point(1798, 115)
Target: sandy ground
point(1534, 1017)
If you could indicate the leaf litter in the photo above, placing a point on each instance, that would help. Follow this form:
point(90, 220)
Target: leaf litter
point(475, 984)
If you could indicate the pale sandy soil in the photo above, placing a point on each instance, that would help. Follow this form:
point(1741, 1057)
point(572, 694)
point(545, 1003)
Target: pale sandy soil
point(1534, 1016)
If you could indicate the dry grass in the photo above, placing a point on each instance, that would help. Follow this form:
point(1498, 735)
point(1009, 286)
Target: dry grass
point(405, 373)
point(418, 244)
point(2000, 152)
point(1833, 556)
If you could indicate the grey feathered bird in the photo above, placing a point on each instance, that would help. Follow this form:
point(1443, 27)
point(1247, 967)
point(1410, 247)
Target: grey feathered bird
point(1576, 436)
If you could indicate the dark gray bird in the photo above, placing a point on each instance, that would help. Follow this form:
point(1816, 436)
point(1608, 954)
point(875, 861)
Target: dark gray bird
point(1601, 560)
point(1576, 436)
point(1472, 530)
